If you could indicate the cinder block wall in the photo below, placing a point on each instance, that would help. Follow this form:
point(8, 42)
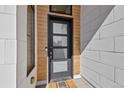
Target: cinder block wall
point(102, 61)
point(13, 47)
point(8, 46)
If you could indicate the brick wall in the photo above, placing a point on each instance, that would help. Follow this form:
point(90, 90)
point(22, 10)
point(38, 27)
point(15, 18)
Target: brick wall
point(42, 11)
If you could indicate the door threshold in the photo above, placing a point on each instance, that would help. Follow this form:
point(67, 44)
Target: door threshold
point(61, 79)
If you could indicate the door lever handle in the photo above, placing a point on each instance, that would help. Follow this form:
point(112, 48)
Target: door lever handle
point(46, 49)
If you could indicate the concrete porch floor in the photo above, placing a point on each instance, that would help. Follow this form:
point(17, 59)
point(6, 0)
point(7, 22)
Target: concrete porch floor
point(82, 83)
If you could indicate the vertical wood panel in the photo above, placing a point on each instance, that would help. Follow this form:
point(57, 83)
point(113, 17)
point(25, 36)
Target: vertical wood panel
point(42, 41)
point(76, 39)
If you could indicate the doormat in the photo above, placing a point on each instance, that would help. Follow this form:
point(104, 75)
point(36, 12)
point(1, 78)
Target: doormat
point(62, 84)
point(41, 86)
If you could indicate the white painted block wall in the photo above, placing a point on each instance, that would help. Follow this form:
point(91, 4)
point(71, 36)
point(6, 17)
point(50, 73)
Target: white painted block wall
point(8, 44)
point(102, 61)
point(13, 48)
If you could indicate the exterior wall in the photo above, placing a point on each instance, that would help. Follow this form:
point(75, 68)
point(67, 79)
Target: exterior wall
point(102, 62)
point(8, 44)
point(91, 21)
point(42, 42)
point(42, 15)
point(22, 80)
point(13, 48)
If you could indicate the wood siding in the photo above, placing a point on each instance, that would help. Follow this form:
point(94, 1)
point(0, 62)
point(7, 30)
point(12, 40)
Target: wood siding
point(76, 39)
point(42, 42)
point(42, 27)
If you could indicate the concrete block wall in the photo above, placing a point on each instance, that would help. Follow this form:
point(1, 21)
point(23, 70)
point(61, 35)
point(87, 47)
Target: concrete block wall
point(102, 61)
point(13, 48)
point(8, 44)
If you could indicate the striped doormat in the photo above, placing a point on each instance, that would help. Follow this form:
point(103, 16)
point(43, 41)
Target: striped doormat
point(63, 84)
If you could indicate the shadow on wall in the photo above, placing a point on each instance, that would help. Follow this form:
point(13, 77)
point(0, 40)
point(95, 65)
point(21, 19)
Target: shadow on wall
point(92, 16)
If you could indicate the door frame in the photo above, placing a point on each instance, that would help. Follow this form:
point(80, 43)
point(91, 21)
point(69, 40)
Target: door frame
point(61, 18)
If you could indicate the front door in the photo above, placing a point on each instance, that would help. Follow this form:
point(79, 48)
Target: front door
point(59, 49)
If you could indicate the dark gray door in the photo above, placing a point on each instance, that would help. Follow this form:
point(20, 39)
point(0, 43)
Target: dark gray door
point(59, 50)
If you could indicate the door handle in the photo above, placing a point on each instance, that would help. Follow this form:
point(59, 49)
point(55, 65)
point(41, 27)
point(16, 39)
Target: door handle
point(46, 49)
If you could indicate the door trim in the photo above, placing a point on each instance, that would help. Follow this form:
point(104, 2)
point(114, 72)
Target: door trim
point(61, 18)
